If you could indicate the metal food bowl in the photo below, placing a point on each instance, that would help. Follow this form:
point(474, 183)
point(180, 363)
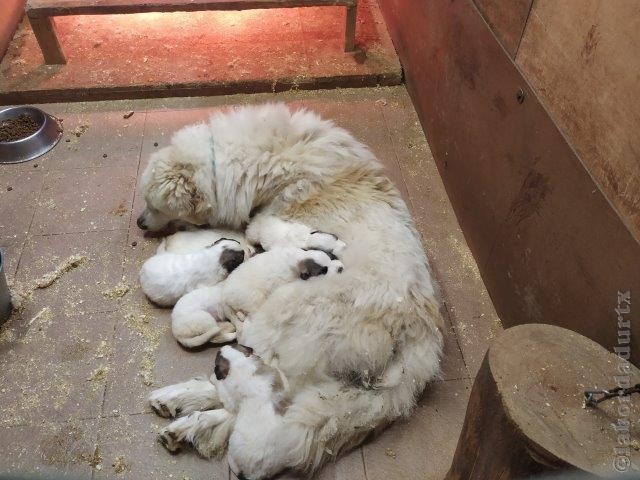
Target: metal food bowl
point(36, 144)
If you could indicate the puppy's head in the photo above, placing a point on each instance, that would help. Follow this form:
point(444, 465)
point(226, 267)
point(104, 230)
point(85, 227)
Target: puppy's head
point(178, 182)
point(231, 253)
point(310, 268)
point(238, 357)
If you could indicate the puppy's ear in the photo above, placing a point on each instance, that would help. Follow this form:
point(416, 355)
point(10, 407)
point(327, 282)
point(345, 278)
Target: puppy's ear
point(222, 366)
point(230, 259)
point(309, 268)
point(246, 351)
point(176, 182)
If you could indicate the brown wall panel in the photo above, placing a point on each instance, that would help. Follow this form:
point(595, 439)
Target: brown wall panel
point(582, 58)
point(550, 247)
point(507, 19)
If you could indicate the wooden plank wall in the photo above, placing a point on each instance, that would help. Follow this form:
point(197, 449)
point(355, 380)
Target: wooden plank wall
point(549, 244)
point(581, 56)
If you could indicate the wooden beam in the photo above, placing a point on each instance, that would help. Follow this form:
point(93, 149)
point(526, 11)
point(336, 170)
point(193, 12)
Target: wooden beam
point(50, 8)
point(350, 31)
point(45, 32)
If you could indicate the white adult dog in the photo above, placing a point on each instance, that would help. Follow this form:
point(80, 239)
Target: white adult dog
point(356, 349)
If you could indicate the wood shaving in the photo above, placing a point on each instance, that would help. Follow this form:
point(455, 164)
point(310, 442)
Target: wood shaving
point(390, 453)
point(118, 291)
point(120, 465)
point(48, 279)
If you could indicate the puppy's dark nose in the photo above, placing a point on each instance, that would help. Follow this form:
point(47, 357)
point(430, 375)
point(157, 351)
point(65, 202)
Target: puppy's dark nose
point(241, 476)
point(141, 223)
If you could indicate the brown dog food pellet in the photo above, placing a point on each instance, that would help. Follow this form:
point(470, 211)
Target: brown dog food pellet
point(104, 155)
point(35, 165)
point(9, 189)
point(128, 115)
point(16, 128)
point(155, 144)
point(134, 244)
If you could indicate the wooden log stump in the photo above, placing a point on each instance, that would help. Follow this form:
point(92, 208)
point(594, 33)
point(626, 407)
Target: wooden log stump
point(526, 412)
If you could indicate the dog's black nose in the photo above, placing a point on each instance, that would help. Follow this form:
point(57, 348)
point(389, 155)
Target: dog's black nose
point(141, 224)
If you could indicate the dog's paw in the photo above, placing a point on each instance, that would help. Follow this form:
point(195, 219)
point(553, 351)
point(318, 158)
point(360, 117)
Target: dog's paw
point(183, 398)
point(327, 242)
point(226, 334)
point(174, 435)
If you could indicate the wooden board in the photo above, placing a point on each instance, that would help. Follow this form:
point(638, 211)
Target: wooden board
point(102, 7)
point(581, 56)
point(549, 245)
point(507, 19)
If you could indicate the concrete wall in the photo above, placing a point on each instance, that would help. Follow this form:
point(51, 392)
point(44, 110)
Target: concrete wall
point(581, 56)
point(549, 244)
point(10, 14)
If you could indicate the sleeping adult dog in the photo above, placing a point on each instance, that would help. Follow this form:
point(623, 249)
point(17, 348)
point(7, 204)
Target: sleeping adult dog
point(356, 349)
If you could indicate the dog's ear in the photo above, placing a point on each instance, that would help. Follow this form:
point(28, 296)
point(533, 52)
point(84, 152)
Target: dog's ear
point(230, 259)
point(309, 268)
point(246, 351)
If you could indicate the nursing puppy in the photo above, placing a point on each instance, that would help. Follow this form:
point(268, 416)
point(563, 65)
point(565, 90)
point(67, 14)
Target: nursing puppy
point(199, 316)
point(166, 277)
point(190, 241)
point(247, 288)
point(357, 349)
point(256, 393)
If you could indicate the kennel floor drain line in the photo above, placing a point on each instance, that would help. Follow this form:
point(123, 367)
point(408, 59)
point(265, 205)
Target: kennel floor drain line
point(41, 14)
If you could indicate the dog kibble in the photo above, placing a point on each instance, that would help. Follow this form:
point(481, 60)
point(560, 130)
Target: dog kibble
point(9, 189)
point(104, 155)
point(128, 115)
point(35, 165)
point(155, 144)
point(134, 244)
point(68, 140)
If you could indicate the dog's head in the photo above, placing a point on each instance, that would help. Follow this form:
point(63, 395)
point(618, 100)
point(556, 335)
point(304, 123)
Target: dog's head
point(178, 183)
point(231, 253)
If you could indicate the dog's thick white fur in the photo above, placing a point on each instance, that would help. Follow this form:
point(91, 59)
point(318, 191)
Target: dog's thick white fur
point(204, 315)
point(166, 277)
point(357, 349)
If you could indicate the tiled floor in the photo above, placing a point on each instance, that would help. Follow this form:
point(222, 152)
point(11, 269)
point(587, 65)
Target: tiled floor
point(76, 365)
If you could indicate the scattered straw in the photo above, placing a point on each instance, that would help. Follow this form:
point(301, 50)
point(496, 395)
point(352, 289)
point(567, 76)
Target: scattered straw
point(120, 465)
point(118, 291)
point(48, 279)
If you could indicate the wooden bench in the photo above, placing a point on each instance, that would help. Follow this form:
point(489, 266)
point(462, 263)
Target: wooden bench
point(42, 12)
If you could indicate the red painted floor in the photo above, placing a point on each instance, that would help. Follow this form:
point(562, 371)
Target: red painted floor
point(169, 54)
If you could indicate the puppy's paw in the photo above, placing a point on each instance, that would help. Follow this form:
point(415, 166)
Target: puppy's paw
point(183, 398)
point(226, 334)
point(174, 435)
point(327, 242)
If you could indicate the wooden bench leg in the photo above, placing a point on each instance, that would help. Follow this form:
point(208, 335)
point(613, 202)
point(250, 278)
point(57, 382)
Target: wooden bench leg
point(45, 33)
point(350, 34)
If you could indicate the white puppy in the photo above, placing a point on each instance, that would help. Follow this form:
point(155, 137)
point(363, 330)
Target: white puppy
point(247, 389)
point(199, 316)
point(271, 232)
point(251, 283)
point(190, 241)
point(168, 276)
